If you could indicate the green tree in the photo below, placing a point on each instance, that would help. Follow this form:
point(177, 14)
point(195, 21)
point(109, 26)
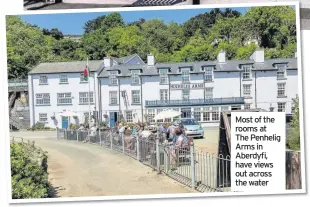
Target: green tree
point(93, 24)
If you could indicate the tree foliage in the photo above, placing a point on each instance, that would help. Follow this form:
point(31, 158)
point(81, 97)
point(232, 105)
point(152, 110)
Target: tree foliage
point(293, 138)
point(199, 38)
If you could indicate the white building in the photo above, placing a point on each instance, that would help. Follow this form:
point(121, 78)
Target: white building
point(130, 89)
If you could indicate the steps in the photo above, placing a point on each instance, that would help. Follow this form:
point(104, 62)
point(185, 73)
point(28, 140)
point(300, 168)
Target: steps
point(19, 115)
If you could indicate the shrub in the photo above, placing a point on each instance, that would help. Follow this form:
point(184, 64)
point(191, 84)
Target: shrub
point(73, 126)
point(293, 138)
point(39, 126)
point(29, 177)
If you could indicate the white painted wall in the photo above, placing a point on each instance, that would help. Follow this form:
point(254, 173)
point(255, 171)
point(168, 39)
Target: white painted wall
point(74, 86)
point(226, 84)
point(266, 84)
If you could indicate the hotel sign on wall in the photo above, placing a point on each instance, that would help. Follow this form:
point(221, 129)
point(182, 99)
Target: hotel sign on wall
point(186, 86)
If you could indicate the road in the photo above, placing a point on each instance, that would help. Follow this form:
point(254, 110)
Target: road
point(210, 141)
point(79, 169)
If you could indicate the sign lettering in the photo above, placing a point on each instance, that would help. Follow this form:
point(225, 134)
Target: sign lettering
point(186, 86)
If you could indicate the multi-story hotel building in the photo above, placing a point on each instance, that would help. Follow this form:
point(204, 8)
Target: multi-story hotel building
point(130, 89)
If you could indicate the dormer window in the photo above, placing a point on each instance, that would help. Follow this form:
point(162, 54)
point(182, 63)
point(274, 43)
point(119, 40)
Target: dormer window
point(135, 76)
point(208, 73)
point(185, 72)
point(247, 72)
point(281, 74)
point(163, 74)
point(113, 78)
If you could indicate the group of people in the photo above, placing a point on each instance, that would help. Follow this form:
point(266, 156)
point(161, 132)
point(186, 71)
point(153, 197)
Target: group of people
point(179, 142)
point(174, 134)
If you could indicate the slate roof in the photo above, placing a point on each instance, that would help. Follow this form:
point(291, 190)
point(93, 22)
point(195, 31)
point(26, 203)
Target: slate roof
point(66, 67)
point(124, 68)
point(228, 66)
point(124, 60)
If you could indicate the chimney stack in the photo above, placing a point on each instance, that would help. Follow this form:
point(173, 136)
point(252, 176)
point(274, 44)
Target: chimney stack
point(221, 57)
point(108, 62)
point(258, 56)
point(151, 60)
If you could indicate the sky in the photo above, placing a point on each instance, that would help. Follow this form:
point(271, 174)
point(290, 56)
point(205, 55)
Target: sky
point(73, 23)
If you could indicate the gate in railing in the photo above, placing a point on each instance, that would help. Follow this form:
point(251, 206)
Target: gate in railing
point(202, 171)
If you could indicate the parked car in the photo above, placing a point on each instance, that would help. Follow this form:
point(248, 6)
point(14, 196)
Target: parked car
point(191, 127)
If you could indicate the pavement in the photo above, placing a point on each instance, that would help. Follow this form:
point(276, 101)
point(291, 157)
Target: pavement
point(77, 170)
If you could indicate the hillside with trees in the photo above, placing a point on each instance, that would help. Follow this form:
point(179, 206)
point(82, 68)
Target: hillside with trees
point(199, 38)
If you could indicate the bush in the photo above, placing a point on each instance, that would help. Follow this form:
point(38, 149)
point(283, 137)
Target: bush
point(74, 126)
point(29, 176)
point(39, 126)
point(293, 138)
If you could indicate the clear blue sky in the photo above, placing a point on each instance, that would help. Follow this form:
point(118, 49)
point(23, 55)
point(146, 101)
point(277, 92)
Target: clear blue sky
point(73, 23)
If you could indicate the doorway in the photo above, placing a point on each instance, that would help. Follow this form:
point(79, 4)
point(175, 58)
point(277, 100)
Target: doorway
point(113, 118)
point(64, 122)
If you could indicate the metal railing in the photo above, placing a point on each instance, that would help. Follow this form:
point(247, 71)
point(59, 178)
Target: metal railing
point(195, 102)
point(18, 85)
point(199, 170)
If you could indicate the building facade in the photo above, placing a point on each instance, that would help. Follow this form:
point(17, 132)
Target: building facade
point(127, 89)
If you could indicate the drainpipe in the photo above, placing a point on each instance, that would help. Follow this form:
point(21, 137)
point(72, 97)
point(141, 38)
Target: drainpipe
point(119, 99)
point(169, 87)
point(255, 92)
point(94, 95)
point(99, 101)
point(141, 97)
point(240, 83)
point(33, 103)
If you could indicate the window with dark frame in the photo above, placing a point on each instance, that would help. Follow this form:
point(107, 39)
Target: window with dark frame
point(281, 106)
point(129, 117)
point(281, 89)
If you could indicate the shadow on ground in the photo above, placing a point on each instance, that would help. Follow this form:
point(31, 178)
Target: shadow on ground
point(54, 191)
